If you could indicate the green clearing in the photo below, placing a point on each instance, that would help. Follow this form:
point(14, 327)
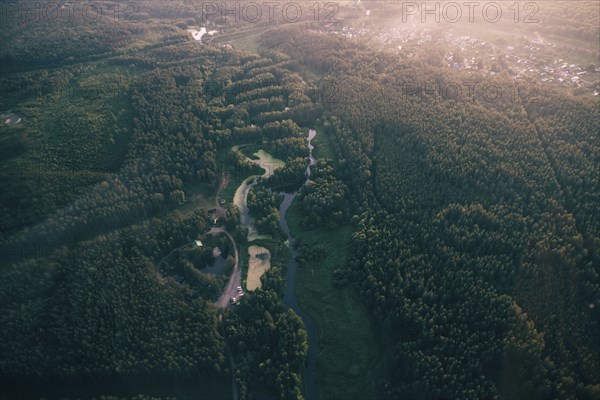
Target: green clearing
point(322, 145)
point(198, 196)
point(228, 192)
point(247, 43)
point(246, 40)
point(235, 179)
point(350, 357)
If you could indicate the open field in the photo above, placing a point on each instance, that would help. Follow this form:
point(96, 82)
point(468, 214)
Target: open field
point(350, 351)
point(259, 262)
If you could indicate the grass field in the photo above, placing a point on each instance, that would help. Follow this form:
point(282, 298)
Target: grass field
point(350, 355)
point(199, 196)
point(246, 40)
point(235, 179)
point(350, 352)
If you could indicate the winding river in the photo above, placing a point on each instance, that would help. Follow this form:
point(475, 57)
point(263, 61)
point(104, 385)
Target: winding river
point(240, 199)
point(289, 294)
point(269, 164)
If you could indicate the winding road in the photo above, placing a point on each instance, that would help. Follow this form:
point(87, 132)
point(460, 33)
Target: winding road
point(235, 279)
point(230, 291)
point(289, 296)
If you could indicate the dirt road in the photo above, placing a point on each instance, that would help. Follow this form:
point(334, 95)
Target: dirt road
point(235, 279)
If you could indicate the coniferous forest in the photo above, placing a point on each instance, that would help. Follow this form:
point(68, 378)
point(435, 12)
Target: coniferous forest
point(167, 231)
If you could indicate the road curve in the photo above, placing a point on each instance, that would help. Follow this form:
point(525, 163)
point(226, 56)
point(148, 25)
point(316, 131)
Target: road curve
point(230, 291)
point(235, 279)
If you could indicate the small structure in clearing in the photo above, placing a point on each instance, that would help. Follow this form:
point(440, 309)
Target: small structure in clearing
point(259, 263)
point(10, 118)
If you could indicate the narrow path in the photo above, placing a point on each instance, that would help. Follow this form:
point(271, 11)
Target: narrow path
point(221, 211)
point(234, 387)
point(564, 194)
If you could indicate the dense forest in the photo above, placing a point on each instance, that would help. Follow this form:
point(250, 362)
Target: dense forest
point(93, 203)
point(476, 246)
point(269, 342)
point(474, 236)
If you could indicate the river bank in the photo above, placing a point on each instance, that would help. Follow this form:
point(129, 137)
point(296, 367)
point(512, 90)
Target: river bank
point(270, 164)
point(289, 295)
point(344, 370)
